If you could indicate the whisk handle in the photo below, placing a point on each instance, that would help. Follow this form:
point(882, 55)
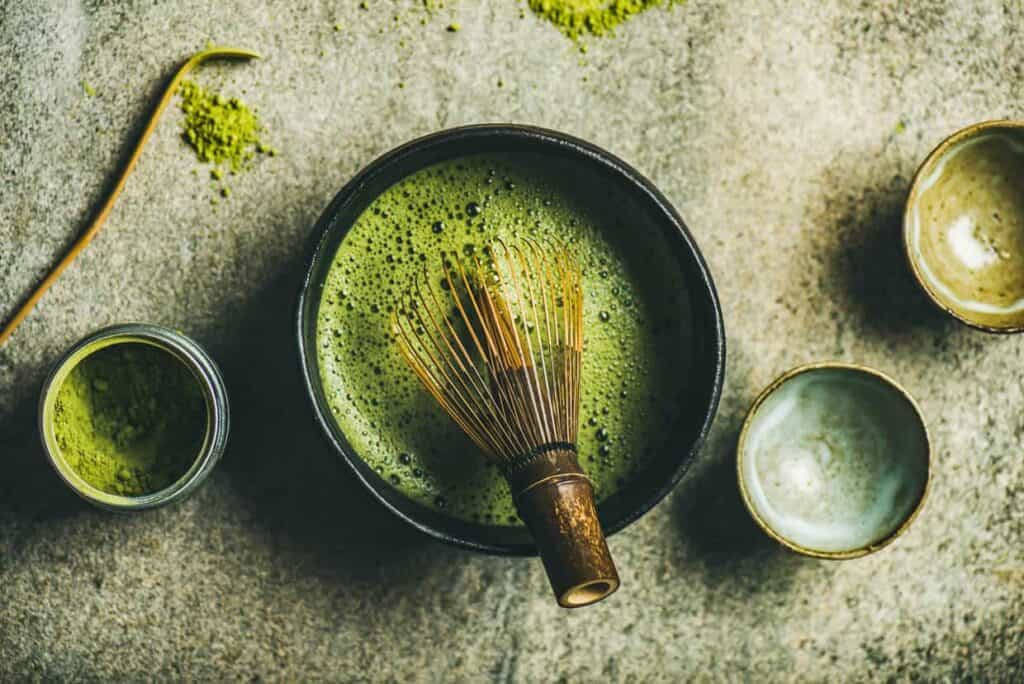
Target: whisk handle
point(556, 501)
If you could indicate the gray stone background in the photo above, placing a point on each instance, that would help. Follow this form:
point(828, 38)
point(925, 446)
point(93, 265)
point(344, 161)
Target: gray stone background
point(785, 133)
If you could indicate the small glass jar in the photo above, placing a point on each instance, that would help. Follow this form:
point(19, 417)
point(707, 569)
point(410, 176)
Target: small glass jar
point(207, 375)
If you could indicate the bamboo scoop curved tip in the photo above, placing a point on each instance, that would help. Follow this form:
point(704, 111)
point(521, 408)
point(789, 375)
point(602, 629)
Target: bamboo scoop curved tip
point(93, 228)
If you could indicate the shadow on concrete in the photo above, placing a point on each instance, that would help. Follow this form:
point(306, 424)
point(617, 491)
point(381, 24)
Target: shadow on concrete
point(872, 276)
point(282, 467)
point(711, 510)
point(719, 530)
point(30, 490)
point(714, 518)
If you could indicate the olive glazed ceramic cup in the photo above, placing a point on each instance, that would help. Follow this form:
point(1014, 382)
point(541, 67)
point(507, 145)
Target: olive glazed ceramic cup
point(209, 380)
point(833, 460)
point(653, 215)
point(963, 226)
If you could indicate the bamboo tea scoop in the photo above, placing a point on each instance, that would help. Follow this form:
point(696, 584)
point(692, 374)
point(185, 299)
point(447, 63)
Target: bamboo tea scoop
point(97, 222)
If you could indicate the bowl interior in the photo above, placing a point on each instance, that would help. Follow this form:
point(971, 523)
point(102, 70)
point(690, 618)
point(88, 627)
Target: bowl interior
point(965, 226)
point(834, 460)
point(650, 216)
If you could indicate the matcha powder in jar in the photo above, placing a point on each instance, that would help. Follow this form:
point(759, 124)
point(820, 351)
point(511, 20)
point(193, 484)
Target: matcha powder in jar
point(130, 419)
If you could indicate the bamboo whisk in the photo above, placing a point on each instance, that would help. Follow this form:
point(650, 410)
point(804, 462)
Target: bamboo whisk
point(498, 342)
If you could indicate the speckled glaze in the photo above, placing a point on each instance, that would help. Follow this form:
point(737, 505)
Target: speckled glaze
point(833, 460)
point(964, 226)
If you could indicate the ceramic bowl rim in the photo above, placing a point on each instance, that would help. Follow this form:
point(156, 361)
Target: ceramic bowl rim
point(741, 444)
point(698, 275)
point(929, 162)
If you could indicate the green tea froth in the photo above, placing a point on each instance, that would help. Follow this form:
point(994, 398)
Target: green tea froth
point(636, 325)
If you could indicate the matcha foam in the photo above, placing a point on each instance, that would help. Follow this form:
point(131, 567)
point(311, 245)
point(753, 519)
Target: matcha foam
point(636, 326)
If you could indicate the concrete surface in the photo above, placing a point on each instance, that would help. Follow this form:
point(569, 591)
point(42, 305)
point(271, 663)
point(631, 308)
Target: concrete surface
point(785, 133)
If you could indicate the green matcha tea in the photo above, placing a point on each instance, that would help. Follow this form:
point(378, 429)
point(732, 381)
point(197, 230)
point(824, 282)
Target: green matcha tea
point(636, 325)
point(130, 419)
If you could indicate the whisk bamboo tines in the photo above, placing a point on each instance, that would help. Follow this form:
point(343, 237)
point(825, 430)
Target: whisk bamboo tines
point(498, 341)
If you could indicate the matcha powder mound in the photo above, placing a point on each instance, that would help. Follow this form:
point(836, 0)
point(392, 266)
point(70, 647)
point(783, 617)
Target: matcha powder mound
point(130, 419)
point(576, 18)
point(221, 130)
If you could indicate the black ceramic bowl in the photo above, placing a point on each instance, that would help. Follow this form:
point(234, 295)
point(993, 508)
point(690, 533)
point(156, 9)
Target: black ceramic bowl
point(607, 174)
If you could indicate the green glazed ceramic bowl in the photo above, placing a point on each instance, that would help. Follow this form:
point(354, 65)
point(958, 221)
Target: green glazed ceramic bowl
point(833, 460)
point(963, 226)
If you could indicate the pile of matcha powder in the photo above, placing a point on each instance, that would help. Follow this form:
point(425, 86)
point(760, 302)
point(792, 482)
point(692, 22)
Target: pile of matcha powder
point(575, 18)
point(223, 131)
point(130, 419)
